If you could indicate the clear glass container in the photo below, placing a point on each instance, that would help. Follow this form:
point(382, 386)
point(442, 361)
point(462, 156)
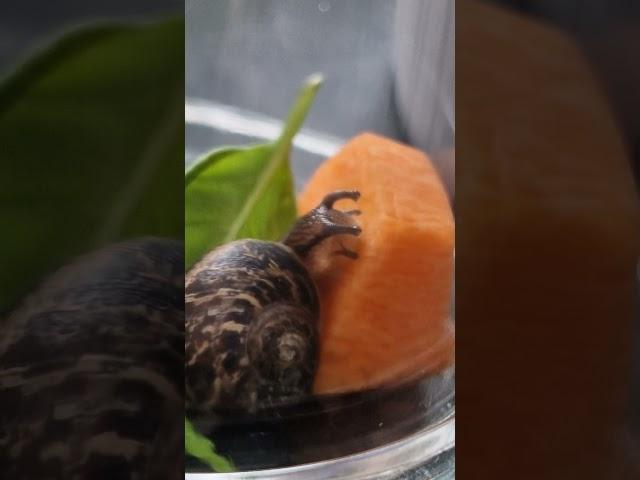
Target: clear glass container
point(375, 434)
point(245, 61)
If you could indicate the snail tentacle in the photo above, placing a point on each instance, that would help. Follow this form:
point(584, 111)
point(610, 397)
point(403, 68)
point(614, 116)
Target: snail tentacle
point(322, 223)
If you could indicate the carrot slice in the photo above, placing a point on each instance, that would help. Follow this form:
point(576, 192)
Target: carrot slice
point(386, 315)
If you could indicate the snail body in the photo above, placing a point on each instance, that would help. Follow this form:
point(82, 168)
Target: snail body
point(252, 314)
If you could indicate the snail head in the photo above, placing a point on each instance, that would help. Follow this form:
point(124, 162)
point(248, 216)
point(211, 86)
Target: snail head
point(324, 222)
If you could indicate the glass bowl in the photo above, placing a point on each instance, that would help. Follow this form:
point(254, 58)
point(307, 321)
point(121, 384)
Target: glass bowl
point(382, 433)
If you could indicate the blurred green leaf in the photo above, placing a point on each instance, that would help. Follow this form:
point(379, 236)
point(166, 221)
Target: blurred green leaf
point(90, 133)
point(237, 192)
point(203, 449)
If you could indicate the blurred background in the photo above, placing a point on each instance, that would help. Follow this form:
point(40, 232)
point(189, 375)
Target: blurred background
point(608, 34)
point(66, 137)
point(246, 59)
point(91, 157)
point(29, 25)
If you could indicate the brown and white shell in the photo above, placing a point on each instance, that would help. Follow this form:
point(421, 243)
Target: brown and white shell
point(91, 369)
point(251, 327)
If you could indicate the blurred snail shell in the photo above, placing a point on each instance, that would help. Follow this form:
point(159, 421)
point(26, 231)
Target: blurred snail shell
point(252, 313)
point(91, 369)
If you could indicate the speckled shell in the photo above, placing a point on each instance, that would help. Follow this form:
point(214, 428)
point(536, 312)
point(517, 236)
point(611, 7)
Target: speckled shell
point(251, 327)
point(91, 369)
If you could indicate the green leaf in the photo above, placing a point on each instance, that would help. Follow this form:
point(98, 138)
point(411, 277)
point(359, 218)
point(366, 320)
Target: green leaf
point(237, 192)
point(92, 139)
point(240, 192)
point(203, 449)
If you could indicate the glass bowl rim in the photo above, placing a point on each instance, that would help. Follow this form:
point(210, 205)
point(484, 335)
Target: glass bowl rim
point(396, 456)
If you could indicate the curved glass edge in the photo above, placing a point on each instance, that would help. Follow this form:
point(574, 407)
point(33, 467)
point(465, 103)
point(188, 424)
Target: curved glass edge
point(379, 463)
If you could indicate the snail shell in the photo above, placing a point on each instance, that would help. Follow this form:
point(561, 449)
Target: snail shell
point(252, 313)
point(91, 369)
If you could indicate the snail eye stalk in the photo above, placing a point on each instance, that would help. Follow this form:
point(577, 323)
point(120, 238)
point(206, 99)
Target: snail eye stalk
point(324, 222)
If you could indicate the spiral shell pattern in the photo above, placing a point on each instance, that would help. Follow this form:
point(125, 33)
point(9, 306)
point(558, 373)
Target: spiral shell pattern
point(251, 327)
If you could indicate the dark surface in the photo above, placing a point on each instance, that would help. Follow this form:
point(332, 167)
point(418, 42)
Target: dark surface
point(609, 33)
point(538, 396)
point(329, 426)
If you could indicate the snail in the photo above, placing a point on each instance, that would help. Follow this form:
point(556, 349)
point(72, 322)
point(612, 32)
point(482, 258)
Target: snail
point(92, 369)
point(252, 313)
